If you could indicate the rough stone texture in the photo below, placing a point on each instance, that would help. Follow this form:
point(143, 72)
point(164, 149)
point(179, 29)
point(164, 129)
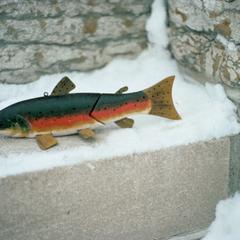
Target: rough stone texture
point(205, 38)
point(41, 37)
point(143, 196)
point(234, 173)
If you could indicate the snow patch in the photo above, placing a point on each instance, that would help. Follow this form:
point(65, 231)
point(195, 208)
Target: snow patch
point(156, 25)
point(226, 224)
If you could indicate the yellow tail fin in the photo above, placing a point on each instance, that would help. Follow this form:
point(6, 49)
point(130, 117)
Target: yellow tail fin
point(161, 97)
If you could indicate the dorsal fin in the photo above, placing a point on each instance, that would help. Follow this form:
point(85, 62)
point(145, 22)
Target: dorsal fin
point(121, 90)
point(64, 86)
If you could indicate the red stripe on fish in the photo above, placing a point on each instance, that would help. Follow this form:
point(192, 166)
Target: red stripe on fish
point(123, 110)
point(61, 122)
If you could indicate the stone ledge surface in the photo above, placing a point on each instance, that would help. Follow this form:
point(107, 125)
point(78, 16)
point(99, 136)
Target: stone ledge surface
point(154, 195)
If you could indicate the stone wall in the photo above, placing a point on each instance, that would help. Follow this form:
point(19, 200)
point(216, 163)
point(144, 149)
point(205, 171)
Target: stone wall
point(51, 36)
point(205, 39)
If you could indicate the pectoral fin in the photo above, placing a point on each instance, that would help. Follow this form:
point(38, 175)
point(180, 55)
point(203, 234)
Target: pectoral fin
point(63, 87)
point(86, 133)
point(121, 90)
point(22, 123)
point(46, 141)
point(125, 123)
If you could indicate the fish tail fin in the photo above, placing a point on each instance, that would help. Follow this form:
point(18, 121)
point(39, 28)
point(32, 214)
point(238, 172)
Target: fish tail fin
point(161, 97)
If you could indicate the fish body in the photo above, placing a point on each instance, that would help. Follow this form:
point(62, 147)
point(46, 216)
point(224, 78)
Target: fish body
point(54, 114)
point(64, 114)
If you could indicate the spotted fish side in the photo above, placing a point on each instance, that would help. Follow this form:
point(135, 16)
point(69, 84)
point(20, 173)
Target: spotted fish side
point(112, 107)
point(59, 115)
point(74, 115)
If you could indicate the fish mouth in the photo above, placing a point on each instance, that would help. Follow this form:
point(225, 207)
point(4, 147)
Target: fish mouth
point(9, 132)
point(1, 126)
point(5, 132)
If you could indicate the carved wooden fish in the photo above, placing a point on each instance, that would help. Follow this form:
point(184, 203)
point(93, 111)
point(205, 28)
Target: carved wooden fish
point(62, 113)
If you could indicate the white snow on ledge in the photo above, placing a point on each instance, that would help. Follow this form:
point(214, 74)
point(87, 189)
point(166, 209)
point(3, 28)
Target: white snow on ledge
point(226, 224)
point(206, 111)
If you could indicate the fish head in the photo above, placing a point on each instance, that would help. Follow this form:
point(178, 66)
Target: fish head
point(5, 124)
point(12, 124)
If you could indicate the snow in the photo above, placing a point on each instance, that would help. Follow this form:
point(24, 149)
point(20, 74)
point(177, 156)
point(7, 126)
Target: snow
point(206, 111)
point(156, 25)
point(226, 224)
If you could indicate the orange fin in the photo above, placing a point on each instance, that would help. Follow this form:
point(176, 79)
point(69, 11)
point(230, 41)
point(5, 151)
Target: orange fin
point(125, 123)
point(86, 133)
point(64, 86)
point(161, 97)
point(46, 141)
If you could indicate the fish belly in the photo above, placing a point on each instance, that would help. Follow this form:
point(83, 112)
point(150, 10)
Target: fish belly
point(60, 126)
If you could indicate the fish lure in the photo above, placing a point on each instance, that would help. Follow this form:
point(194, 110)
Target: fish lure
point(62, 113)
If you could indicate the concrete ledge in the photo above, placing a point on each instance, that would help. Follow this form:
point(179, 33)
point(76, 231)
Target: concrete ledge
point(191, 236)
point(154, 195)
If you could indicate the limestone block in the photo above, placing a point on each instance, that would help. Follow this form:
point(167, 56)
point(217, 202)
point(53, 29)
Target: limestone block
point(67, 31)
point(39, 37)
point(153, 195)
point(37, 9)
point(205, 37)
point(22, 64)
